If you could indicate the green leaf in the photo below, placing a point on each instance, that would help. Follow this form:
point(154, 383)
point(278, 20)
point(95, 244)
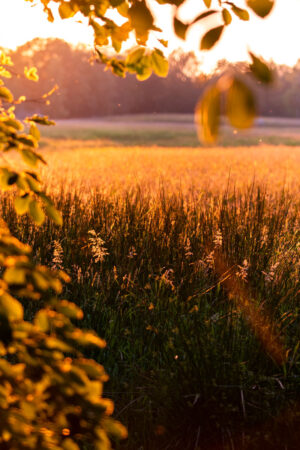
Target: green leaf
point(207, 115)
point(180, 28)
point(53, 214)
point(10, 307)
point(226, 16)
point(22, 204)
point(5, 94)
point(241, 13)
point(261, 7)
point(241, 109)
point(211, 37)
point(36, 212)
point(160, 64)
point(260, 70)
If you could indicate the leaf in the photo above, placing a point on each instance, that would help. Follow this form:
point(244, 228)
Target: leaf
point(22, 204)
point(207, 115)
point(66, 10)
point(36, 212)
point(31, 73)
point(86, 338)
point(240, 13)
point(226, 16)
point(54, 214)
point(69, 309)
point(6, 95)
point(211, 37)
point(34, 131)
point(207, 3)
point(15, 275)
point(41, 320)
point(141, 17)
point(116, 430)
point(29, 157)
point(134, 57)
point(180, 28)
point(160, 64)
point(42, 120)
point(241, 109)
point(7, 178)
point(69, 444)
point(10, 307)
point(204, 15)
point(260, 70)
point(57, 344)
point(40, 280)
point(16, 124)
point(163, 42)
point(90, 367)
point(261, 7)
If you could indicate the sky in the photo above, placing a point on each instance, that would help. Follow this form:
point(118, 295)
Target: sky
point(276, 38)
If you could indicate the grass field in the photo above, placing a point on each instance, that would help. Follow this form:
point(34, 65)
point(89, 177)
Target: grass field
point(168, 130)
point(186, 260)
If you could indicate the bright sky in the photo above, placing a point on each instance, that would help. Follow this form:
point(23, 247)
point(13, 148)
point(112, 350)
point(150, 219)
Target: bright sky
point(276, 38)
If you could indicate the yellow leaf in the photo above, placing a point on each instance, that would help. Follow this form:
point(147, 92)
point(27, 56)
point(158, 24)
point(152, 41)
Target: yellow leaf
point(31, 73)
point(207, 115)
point(241, 109)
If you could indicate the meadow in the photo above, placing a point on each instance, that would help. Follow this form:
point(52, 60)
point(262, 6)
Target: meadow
point(186, 260)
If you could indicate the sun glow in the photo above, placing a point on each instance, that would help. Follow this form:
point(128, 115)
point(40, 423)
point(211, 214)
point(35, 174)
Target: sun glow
point(274, 38)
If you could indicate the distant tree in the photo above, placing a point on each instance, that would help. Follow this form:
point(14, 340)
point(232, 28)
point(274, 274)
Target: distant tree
point(135, 17)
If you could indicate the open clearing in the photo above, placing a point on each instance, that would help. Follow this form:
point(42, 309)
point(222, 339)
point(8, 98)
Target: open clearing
point(172, 130)
point(91, 165)
point(186, 261)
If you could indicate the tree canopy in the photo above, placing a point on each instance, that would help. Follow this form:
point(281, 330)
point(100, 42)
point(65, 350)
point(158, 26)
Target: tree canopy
point(115, 21)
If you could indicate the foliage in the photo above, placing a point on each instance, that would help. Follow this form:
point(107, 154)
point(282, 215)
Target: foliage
point(99, 93)
point(50, 395)
point(137, 18)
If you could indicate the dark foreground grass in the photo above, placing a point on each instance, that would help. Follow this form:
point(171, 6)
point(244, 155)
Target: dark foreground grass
point(188, 366)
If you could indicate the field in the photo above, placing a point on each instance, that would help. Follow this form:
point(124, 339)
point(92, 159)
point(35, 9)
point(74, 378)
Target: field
point(186, 260)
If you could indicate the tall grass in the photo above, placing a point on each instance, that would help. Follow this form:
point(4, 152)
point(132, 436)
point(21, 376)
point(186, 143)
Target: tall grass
point(187, 367)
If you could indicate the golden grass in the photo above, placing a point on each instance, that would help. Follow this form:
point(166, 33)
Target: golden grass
point(89, 165)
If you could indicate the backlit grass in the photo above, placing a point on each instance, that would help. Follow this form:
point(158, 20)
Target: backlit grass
point(187, 262)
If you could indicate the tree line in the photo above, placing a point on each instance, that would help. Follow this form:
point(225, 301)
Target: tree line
point(83, 88)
